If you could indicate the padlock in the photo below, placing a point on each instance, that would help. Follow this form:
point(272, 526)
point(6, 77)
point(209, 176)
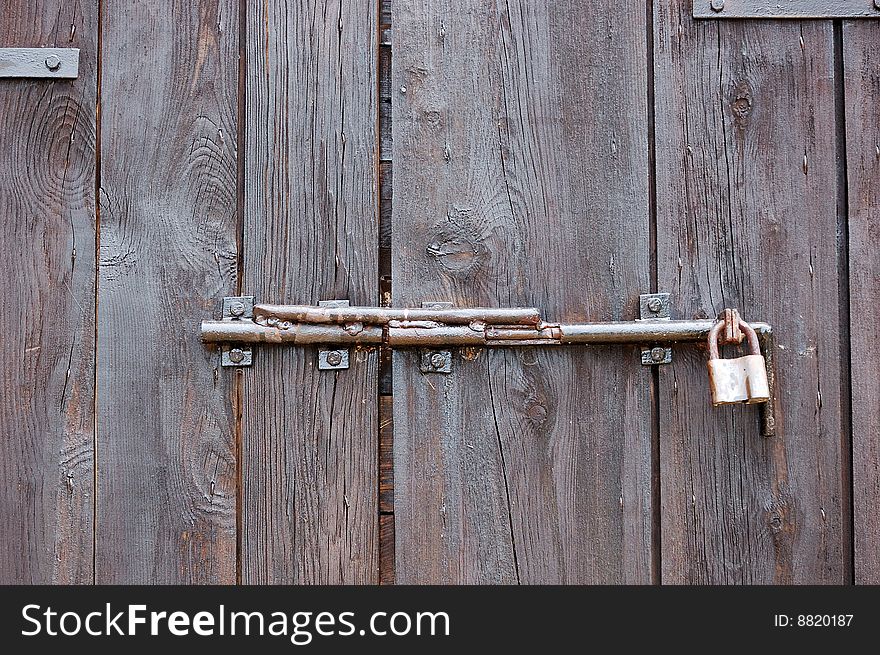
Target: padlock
point(740, 380)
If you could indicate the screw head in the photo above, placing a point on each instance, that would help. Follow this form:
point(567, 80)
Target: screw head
point(655, 305)
point(334, 358)
point(236, 308)
point(53, 62)
point(718, 5)
point(438, 360)
point(658, 354)
point(236, 355)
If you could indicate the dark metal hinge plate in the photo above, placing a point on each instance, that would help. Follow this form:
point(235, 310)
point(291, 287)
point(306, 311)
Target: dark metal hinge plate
point(786, 8)
point(58, 63)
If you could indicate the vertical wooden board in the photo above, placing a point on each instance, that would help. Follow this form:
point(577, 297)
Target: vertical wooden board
point(521, 178)
point(47, 260)
point(309, 437)
point(168, 253)
point(862, 93)
point(746, 217)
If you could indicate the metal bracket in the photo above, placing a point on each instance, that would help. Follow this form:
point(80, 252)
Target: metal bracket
point(58, 63)
point(336, 359)
point(786, 9)
point(236, 308)
point(655, 307)
point(435, 361)
point(236, 356)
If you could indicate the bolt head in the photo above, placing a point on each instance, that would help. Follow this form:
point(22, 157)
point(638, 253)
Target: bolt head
point(236, 308)
point(236, 355)
point(438, 360)
point(655, 305)
point(53, 62)
point(334, 358)
point(717, 5)
point(658, 354)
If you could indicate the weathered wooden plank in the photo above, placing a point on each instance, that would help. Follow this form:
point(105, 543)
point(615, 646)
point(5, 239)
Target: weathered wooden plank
point(309, 437)
point(862, 93)
point(47, 259)
point(166, 445)
point(746, 217)
point(521, 178)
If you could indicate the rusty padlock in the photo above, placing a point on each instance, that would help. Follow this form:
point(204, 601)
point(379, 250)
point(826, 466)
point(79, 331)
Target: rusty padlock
point(740, 380)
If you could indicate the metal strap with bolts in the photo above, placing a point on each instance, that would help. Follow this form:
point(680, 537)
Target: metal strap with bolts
point(444, 327)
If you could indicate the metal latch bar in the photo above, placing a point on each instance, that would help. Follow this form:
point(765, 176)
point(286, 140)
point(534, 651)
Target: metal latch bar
point(58, 63)
point(425, 333)
point(769, 9)
point(385, 315)
point(436, 327)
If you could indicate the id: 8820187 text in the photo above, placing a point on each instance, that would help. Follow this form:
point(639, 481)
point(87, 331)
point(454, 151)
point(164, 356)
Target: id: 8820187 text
point(812, 620)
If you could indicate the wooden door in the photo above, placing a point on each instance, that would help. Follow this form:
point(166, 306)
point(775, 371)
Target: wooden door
point(558, 154)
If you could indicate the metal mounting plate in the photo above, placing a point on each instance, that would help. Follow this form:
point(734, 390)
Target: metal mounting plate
point(58, 63)
point(786, 8)
point(235, 356)
point(655, 307)
point(335, 359)
point(233, 309)
point(435, 361)
point(238, 307)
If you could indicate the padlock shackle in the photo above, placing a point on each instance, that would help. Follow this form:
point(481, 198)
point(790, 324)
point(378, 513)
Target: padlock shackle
point(748, 330)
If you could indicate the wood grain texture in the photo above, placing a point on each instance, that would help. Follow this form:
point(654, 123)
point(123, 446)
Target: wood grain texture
point(386, 454)
point(746, 217)
point(168, 253)
point(309, 437)
point(47, 259)
point(862, 94)
point(386, 549)
point(521, 178)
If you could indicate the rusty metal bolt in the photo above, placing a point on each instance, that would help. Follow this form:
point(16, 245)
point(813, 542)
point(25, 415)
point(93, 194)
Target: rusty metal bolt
point(655, 305)
point(236, 308)
point(236, 355)
point(53, 62)
point(334, 358)
point(658, 354)
point(438, 360)
point(717, 5)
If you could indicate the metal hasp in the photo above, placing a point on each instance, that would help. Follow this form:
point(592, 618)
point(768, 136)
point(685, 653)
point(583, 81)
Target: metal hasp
point(786, 8)
point(236, 309)
point(655, 307)
point(58, 63)
point(435, 328)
